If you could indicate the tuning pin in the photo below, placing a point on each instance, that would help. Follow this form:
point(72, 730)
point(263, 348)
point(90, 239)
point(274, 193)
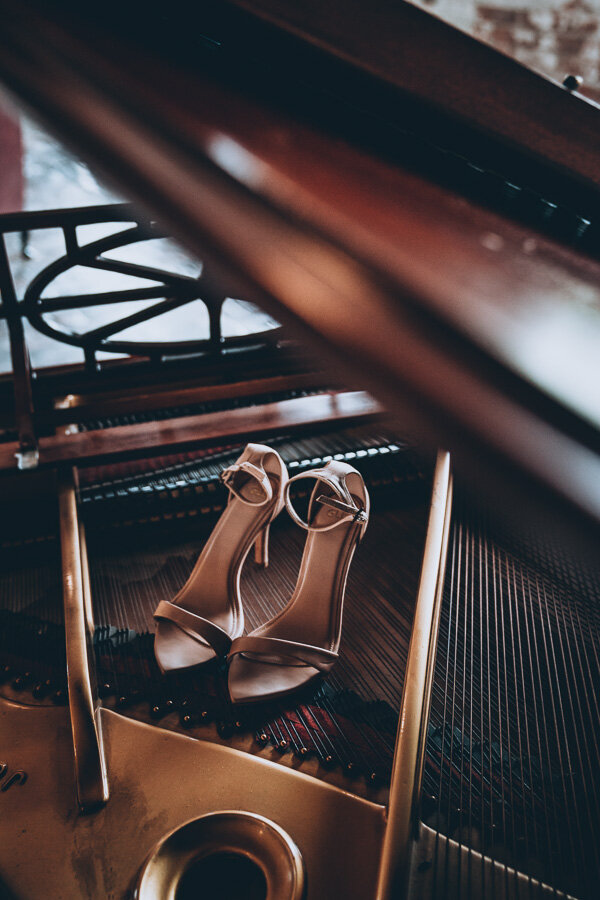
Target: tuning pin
point(20, 681)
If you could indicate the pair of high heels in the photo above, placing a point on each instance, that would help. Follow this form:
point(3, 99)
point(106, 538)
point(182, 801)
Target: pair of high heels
point(206, 619)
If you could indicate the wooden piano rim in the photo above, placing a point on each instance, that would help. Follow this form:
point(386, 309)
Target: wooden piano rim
point(128, 441)
point(416, 51)
point(133, 400)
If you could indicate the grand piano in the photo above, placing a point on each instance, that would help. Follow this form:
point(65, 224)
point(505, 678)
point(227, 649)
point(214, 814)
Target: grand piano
point(422, 216)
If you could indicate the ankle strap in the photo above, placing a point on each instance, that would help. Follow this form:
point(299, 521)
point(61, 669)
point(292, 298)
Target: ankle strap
point(334, 476)
point(231, 479)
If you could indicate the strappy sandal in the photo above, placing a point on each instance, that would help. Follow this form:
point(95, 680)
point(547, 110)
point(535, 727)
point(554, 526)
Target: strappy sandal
point(200, 623)
point(301, 643)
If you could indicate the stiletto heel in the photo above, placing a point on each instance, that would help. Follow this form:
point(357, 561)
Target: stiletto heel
point(261, 547)
point(302, 642)
point(206, 615)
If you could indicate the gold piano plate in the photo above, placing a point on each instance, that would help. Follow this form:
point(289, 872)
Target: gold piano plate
point(159, 781)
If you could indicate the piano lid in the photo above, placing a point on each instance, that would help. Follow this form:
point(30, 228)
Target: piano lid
point(417, 52)
point(479, 331)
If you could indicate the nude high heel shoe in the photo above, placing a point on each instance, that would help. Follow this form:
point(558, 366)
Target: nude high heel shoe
point(200, 623)
point(302, 642)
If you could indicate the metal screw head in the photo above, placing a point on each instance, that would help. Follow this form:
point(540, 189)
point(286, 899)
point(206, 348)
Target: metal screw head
point(572, 82)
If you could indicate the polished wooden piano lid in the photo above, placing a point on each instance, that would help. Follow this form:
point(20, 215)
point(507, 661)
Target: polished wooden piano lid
point(415, 51)
point(479, 332)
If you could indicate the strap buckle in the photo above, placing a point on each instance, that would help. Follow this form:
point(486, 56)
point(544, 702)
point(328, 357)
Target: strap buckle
point(357, 512)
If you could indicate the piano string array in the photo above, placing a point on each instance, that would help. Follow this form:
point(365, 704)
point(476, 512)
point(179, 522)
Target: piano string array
point(513, 763)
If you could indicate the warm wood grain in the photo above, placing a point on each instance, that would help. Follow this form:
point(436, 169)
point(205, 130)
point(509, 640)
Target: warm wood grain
point(414, 50)
point(131, 400)
point(252, 423)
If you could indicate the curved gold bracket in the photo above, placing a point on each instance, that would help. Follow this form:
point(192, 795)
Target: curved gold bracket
point(90, 768)
point(412, 724)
